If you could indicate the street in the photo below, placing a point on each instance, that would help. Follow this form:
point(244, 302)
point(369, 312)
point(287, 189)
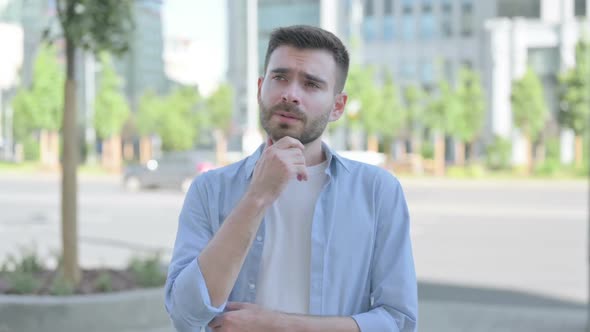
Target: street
point(490, 254)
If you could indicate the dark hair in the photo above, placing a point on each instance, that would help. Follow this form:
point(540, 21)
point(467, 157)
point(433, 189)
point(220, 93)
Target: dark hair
point(310, 37)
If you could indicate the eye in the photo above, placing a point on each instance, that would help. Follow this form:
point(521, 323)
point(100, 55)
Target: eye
point(311, 84)
point(279, 78)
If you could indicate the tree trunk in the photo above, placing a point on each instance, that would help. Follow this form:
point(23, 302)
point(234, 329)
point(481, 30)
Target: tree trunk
point(528, 154)
point(459, 153)
point(220, 147)
point(579, 156)
point(128, 152)
point(111, 154)
point(145, 149)
point(439, 155)
point(69, 200)
point(372, 143)
point(53, 149)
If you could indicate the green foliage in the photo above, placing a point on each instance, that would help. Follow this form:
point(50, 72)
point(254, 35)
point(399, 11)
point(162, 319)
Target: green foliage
point(103, 25)
point(220, 108)
point(23, 282)
point(427, 150)
point(148, 271)
point(40, 106)
point(150, 110)
point(20, 271)
point(575, 92)
point(60, 286)
point(466, 124)
point(111, 108)
point(498, 154)
point(529, 110)
point(176, 118)
point(414, 101)
point(179, 124)
point(104, 282)
point(392, 116)
point(31, 148)
point(444, 110)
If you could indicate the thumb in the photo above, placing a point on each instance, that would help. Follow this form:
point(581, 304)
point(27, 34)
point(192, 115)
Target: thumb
point(269, 142)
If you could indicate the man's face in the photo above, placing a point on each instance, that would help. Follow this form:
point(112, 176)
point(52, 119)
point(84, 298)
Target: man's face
point(297, 95)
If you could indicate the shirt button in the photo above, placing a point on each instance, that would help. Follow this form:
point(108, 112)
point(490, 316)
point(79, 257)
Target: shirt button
point(259, 238)
point(252, 286)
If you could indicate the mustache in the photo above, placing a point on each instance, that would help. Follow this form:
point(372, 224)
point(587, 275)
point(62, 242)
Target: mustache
point(288, 108)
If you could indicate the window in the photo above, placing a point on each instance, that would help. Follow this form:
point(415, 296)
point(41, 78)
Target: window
point(388, 28)
point(446, 19)
point(466, 18)
point(369, 9)
point(369, 28)
point(426, 71)
point(408, 6)
point(521, 8)
point(408, 69)
point(388, 7)
point(449, 70)
point(447, 7)
point(408, 28)
point(427, 26)
point(426, 6)
point(580, 9)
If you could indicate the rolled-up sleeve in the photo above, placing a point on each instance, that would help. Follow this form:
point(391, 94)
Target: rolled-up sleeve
point(187, 297)
point(393, 278)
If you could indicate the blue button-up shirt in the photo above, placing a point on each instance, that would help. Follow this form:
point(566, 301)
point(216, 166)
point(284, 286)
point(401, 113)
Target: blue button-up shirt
point(361, 253)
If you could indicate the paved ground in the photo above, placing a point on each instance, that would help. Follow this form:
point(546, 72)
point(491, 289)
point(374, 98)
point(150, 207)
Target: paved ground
point(490, 255)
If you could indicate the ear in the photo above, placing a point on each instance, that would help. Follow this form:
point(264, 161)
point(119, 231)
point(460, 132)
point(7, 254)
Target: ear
point(260, 81)
point(339, 104)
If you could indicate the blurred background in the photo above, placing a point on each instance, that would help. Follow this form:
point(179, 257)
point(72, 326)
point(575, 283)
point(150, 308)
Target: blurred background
point(481, 108)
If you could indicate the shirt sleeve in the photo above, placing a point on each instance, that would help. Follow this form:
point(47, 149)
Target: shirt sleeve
point(393, 278)
point(187, 297)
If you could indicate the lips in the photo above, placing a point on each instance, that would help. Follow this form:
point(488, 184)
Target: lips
point(287, 115)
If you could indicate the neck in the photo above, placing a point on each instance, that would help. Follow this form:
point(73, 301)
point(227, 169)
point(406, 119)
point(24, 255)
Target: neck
point(313, 153)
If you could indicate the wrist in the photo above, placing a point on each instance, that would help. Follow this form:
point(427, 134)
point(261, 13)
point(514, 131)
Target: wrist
point(258, 200)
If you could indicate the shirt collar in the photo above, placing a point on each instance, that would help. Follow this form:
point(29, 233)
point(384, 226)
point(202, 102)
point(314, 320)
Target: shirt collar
point(333, 158)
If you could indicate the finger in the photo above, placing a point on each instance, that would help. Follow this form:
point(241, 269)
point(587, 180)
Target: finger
point(301, 172)
point(235, 306)
point(295, 156)
point(289, 142)
point(216, 322)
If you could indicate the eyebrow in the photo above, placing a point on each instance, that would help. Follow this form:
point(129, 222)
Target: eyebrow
point(282, 70)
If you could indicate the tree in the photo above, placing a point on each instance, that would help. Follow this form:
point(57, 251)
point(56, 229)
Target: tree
point(529, 111)
point(393, 115)
point(414, 104)
point(96, 26)
point(443, 110)
point(180, 119)
point(360, 86)
point(468, 122)
point(40, 107)
point(111, 112)
point(574, 97)
point(220, 110)
point(149, 112)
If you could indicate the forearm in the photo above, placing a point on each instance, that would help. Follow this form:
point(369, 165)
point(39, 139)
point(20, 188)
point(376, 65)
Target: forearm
point(222, 258)
point(302, 323)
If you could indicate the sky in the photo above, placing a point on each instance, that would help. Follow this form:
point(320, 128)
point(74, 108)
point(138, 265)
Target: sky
point(204, 22)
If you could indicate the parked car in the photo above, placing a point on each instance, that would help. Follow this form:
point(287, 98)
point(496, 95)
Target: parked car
point(172, 170)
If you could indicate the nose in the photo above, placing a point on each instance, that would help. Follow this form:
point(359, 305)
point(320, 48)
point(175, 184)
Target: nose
point(291, 94)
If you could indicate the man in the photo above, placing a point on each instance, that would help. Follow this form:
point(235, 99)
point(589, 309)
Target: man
point(295, 237)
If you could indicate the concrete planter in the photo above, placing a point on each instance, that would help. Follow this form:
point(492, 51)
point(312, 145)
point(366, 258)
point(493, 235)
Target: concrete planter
point(130, 311)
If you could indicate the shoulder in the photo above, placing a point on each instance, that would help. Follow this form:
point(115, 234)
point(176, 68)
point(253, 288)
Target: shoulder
point(370, 174)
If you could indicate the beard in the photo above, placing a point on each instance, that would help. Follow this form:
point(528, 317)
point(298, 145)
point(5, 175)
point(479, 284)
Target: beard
point(312, 128)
